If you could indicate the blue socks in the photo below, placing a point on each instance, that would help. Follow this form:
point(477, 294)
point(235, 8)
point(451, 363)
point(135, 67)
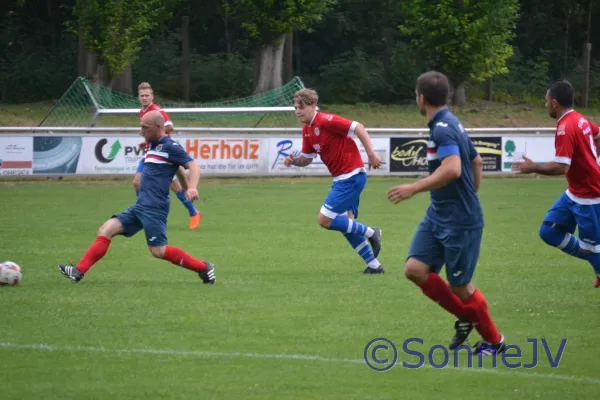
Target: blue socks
point(555, 237)
point(567, 243)
point(346, 225)
point(188, 204)
point(361, 246)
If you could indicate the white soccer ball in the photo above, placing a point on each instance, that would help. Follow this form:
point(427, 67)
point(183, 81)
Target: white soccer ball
point(10, 273)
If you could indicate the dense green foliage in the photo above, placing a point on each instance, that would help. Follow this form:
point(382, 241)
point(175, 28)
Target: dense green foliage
point(355, 53)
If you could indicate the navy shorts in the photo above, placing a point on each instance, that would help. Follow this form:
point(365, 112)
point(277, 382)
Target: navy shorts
point(435, 246)
point(140, 166)
point(585, 217)
point(154, 224)
point(344, 196)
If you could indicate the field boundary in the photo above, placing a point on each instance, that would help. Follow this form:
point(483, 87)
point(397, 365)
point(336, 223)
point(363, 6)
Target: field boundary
point(280, 356)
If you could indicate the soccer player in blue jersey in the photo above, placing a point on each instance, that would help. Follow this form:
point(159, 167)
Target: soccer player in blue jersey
point(150, 212)
point(452, 229)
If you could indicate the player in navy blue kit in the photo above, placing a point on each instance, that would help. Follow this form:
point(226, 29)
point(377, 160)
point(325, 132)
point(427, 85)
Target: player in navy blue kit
point(452, 229)
point(150, 212)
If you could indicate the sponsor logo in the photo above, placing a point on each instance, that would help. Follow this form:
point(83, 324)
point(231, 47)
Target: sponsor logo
point(223, 149)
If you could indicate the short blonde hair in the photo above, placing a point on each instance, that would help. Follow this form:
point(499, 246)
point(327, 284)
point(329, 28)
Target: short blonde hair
point(306, 97)
point(144, 85)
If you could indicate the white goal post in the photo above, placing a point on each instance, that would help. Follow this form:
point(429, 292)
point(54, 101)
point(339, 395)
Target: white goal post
point(196, 110)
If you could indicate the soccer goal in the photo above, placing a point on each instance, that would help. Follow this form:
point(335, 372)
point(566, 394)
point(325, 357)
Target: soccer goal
point(89, 104)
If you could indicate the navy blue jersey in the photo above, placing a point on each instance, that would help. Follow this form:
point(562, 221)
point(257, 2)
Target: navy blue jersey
point(456, 205)
point(162, 161)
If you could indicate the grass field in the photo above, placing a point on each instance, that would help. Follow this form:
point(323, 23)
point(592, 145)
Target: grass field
point(290, 314)
point(475, 115)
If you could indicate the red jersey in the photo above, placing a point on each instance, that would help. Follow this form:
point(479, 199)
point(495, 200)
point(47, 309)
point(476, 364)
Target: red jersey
point(154, 107)
point(574, 143)
point(330, 136)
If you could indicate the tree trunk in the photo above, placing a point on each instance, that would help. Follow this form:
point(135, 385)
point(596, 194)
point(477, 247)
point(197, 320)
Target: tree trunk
point(185, 57)
point(123, 82)
point(270, 64)
point(289, 56)
point(459, 96)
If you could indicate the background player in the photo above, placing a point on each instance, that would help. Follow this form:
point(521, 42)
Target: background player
point(152, 207)
point(146, 99)
point(576, 143)
point(329, 136)
point(452, 228)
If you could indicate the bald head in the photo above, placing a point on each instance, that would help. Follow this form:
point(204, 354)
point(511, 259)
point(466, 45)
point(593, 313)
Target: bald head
point(153, 124)
point(154, 118)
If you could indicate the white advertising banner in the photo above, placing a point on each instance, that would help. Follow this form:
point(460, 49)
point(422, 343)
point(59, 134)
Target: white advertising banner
point(280, 148)
point(110, 155)
point(16, 155)
point(215, 156)
point(538, 148)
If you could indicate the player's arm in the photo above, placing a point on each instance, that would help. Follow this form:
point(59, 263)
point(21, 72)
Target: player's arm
point(305, 158)
point(168, 123)
point(565, 146)
point(362, 135)
point(182, 178)
point(449, 154)
point(179, 156)
point(449, 170)
point(476, 165)
point(194, 175)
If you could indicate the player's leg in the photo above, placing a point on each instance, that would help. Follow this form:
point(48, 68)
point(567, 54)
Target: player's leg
point(361, 246)
point(461, 254)
point(588, 224)
point(155, 228)
point(559, 225)
point(195, 215)
point(125, 224)
point(424, 262)
point(343, 195)
point(138, 176)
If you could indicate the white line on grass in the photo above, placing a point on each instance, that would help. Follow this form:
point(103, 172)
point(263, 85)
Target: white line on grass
point(304, 357)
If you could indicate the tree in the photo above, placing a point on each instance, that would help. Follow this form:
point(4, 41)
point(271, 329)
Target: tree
point(465, 39)
point(269, 22)
point(114, 31)
point(509, 147)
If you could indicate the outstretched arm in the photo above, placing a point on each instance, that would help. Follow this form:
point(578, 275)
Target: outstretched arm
point(529, 167)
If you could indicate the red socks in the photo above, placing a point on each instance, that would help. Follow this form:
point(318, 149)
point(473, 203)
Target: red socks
point(477, 312)
point(181, 258)
point(94, 253)
point(438, 290)
point(474, 309)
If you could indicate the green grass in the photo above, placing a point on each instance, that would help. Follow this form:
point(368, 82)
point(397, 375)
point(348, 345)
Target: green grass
point(148, 329)
point(475, 115)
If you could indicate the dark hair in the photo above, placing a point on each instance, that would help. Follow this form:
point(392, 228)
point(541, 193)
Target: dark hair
point(562, 92)
point(434, 86)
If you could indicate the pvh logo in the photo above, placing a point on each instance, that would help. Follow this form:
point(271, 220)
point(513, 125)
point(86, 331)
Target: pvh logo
point(114, 150)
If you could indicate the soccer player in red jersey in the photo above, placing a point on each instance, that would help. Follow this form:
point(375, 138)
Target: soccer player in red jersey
point(330, 137)
point(146, 99)
point(576, 141)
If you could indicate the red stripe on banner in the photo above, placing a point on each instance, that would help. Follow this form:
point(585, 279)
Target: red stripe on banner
point(16, 164)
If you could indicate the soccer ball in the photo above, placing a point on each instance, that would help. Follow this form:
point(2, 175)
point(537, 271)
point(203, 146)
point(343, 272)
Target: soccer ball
point(10, 273)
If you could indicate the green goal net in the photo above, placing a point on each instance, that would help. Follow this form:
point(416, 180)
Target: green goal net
point(88, 104)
